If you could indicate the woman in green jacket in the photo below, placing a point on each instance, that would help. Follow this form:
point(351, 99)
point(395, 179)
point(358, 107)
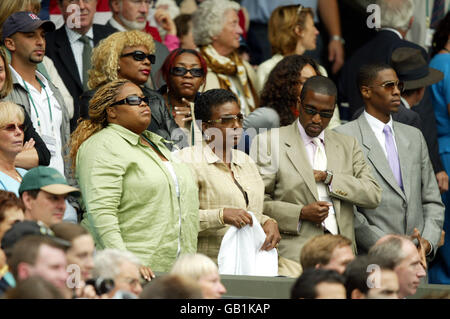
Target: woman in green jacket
point(136, 197)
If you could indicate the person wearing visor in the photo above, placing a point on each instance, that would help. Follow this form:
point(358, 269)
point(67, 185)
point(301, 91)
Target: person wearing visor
point(130, 55)
point(136, 197)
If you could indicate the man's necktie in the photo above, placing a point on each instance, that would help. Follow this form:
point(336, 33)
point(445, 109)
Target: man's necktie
point(320, 164)
point(392, 155)
point(87, 53)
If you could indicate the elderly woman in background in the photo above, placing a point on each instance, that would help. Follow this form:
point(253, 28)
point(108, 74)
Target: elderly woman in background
point(228, 180)
point(217, 33)
point(34, 151)
point(184, 71)
point(11, 144)
point(129, 55)
point(203, 270)
point(136, 197)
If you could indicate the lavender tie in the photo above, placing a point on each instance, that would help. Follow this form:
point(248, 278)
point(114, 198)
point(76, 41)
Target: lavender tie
point(392, 155)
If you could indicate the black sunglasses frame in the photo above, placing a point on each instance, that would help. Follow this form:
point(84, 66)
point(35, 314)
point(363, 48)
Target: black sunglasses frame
point(323, 114)
point(228, 119)
point(140, 56)
point(128, 100)
point(195, 72)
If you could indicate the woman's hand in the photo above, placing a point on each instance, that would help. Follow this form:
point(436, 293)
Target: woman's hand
point(273, 236)
point(183, 113)
point(237, 217)
point(28, 144)
point(147, 273)
point(163, 18)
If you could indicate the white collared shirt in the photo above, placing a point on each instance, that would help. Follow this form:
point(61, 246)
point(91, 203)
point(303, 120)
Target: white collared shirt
point(377, 127)
point(393, 30)
point(46, 126)
point(116, 25)
point(77, 47)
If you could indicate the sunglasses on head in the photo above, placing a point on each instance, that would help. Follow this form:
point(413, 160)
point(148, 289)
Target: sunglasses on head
point(12, 127)
point(313, 112)
point(228, 119)
point(132, 100)
point(140, 56)
point(181, 71)
point(390, 85)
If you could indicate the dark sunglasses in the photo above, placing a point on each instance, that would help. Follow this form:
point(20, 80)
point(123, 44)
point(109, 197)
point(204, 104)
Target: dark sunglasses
point(228, 119)
point(141, 56)
point(312, 112)
point(181, 71)
point(132, 100)
point(390, 85)
point(13, 127)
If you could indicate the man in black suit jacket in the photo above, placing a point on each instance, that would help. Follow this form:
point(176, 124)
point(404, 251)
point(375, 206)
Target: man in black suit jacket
point(65, 47)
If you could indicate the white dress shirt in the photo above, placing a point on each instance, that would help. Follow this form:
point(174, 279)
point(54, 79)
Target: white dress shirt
point(377, 127)
point(77, 47)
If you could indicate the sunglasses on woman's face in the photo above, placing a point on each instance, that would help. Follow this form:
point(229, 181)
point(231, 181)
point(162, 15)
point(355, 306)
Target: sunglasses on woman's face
point(140, 56)
point(228, 119)
point(132, 100)
point(181, 71)
point(12, 127)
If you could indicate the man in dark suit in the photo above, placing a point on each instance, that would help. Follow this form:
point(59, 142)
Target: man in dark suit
point(396, 19)
point(70, 47)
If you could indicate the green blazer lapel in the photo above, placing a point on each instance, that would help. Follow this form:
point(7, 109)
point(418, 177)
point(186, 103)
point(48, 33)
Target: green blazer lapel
point(296, 152)
point(403, 149)
point(376, 155)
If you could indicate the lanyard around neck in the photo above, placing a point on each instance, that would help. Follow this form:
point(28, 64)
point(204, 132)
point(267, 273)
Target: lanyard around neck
point(34, 105)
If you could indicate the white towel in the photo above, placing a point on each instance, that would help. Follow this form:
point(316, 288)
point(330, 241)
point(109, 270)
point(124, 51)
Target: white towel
point(240, 252)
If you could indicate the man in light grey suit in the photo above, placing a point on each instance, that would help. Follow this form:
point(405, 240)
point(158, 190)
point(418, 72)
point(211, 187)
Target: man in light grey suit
point(313, 177)
point(399, 157)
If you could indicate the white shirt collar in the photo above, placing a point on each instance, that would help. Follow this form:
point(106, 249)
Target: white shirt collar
point(405, 103)
point(42, 78)
point(393, 30)
point(117, 25)
point(74, 36)
point(376, 124)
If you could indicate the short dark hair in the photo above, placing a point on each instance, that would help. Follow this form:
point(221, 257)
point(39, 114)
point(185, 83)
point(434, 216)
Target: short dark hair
point(357, 272)
point(208, 100)
point(27, 249)
point(319, 84)
point(33, 193)
point(368, 73)
point(305, 286)
point(171, 287)
point(182, 24)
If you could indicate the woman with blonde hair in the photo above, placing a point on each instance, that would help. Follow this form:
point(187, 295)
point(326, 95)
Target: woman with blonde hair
point(129, 55)
point(203, 270)
point(136, 197)
point(291, 31)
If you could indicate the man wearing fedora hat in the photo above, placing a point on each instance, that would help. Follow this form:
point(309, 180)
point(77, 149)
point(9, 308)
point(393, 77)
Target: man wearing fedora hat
point(400, 163)
point(43, 191)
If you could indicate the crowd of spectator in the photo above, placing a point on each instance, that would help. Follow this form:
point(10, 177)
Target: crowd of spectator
point(136, 134)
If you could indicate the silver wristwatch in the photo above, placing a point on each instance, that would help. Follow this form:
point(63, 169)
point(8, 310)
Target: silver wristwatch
point(329, 177)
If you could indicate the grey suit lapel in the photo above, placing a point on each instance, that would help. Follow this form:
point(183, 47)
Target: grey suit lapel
point(296, 152)
point(404, 151)
point(376, 155)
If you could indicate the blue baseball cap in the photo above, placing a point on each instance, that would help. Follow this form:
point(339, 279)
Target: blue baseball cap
point(24, 21)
